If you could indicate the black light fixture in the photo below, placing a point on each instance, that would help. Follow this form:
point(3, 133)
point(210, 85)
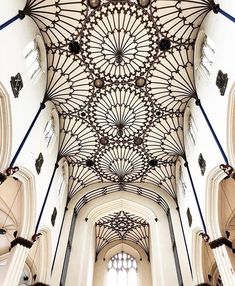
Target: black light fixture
point(153, 162)
point(89, 163)
point(120, 126)
point(74, 47)
point(164, 44)
point(83, 113)
point(119, 56)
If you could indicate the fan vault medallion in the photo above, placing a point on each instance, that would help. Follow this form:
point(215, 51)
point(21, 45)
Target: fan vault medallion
point(119, 41)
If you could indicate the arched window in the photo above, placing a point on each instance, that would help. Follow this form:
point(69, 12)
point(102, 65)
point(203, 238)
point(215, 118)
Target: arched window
point(122, 270)
point(32, 59)
point(49, 131)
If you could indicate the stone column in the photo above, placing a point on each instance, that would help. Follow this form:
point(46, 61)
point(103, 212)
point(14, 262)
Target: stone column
point(223, 252)
point(16, 261)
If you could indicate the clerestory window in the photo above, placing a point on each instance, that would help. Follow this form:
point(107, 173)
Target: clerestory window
point(33, 59)
point(122, 270)
point(207, 55)
point(49, 131)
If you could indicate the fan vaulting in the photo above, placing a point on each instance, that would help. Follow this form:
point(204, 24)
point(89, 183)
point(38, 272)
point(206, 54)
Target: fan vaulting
point(120, 74)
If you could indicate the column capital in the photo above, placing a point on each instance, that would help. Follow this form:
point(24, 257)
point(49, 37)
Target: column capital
point(219, 242)
point(21, 241)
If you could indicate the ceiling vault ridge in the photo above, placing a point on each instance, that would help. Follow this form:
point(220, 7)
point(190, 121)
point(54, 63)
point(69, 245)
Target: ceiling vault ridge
point(120, 74)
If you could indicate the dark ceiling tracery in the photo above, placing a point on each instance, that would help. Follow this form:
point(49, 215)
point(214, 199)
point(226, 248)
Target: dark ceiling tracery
point(122, 226)
point(129, 188)
point(120, 76)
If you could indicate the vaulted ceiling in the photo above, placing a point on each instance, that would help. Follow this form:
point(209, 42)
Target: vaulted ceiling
point(122, 226)
point(120, 74)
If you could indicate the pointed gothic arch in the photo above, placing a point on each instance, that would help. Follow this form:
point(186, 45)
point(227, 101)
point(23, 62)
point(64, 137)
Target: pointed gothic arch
point(26, 183)
point(139, 206)
point(214, 179)
point(196, 256)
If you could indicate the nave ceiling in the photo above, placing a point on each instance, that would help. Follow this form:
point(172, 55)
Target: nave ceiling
point(120, 74)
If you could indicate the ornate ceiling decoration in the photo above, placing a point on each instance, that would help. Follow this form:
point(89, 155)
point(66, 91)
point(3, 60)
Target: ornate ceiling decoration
point(122, 226)
point(120, 111)
point(120, 74)
point(119, 41)
point(125, 187)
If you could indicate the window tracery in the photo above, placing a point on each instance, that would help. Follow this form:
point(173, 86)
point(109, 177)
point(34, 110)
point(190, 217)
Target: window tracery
point(182, 181)
point(49, 131)
point(192, 128)
point(207, 55)
point(122, 270)
point(32, 59)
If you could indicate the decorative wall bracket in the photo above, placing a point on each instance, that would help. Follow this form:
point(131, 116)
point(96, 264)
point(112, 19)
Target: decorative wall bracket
point(202, 164)
point(189, 216)
point(53, 217)
point(221, 81)
point(38, 163)
point(16, 84)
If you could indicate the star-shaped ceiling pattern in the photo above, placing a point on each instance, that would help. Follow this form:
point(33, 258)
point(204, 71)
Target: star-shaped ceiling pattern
point(120, 74)
point(122, 226)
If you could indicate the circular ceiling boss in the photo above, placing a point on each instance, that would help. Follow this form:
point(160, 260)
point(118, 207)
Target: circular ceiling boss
point(121, 111)
point(119, 41)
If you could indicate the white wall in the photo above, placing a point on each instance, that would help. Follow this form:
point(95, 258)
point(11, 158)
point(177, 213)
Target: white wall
point(81, 265)
point(24, 108)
